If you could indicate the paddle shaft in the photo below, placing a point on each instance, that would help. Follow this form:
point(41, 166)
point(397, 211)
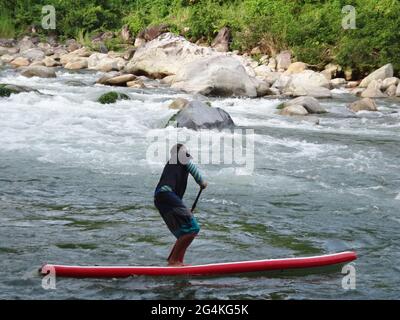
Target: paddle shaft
point(197, 199)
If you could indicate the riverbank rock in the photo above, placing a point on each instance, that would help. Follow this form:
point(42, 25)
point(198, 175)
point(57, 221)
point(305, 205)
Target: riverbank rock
point(120, 80)
point(197, 115)
point(75, 55)
point(76, 63)
point(112, 97)
point(365, 104)
point(307, 83)
point(33, 54)
point(373, 90)
point(338, 82)
point(331, 71)
point(136, 84)
point(221, 41)
point(381, 74)
point(50, 62)
point(283, 60)
point(398, 91)
point(25, 44)
point(388, 82)
point(294, 110)
point(311, 104)
point(38, 71)
point(391, 91)
point(296, 67)
point(20, 62)
point(103, 62)
point(165, 56)
point(216, 76)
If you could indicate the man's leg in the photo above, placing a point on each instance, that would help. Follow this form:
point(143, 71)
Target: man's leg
point(178, 251)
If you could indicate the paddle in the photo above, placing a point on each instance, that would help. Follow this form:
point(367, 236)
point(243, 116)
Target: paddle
point(197, 199)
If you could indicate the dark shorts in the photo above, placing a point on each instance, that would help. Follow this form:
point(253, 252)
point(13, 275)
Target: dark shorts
point(176, 215)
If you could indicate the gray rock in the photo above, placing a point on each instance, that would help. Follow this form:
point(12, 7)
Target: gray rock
point(365, 104)
point(33, 54)
point(388, 82)
point(198, 115)
point(373, 90)
point(381, 74)
point(391, 91)
point(294, 110)
point(216, 76)
point(398, 91)
point(25, 44)
point(311, 104)
point(316, 92)
point(38, 71)
point(338, 82)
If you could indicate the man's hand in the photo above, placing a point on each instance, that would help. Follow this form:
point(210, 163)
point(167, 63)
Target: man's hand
point(203, 185)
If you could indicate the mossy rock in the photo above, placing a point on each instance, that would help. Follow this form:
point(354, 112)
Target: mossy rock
point(112, 97)
point(280, 106)
point(6, 92)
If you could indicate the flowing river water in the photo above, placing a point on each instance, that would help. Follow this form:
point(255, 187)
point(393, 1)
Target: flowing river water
point(76, 188)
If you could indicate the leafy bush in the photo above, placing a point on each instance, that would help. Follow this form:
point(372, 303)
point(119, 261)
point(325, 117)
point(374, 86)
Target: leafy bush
point(311, 29)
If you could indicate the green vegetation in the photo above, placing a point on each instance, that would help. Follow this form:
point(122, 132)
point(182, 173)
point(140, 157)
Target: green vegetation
point(312, 29)
point(112, 97)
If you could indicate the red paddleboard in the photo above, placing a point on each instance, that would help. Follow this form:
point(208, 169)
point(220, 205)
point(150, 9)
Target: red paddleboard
point(201, 270)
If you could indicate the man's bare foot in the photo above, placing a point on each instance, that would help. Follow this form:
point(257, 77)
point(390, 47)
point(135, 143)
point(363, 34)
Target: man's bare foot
point(175, 264)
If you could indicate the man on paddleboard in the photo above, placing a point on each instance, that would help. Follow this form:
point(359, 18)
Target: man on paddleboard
point(168, 200)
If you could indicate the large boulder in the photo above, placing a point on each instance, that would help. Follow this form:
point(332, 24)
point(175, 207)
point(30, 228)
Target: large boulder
point(311, 104)
point(306, 83)
point(398, 91)
point(198, 115)
point(365, 104)
point(388, 82)
point(310, 78)
point(38, 71)
point(373, 90)
point(165, 56)
point(381, 74)
point(217, 76)
point(221, 41)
